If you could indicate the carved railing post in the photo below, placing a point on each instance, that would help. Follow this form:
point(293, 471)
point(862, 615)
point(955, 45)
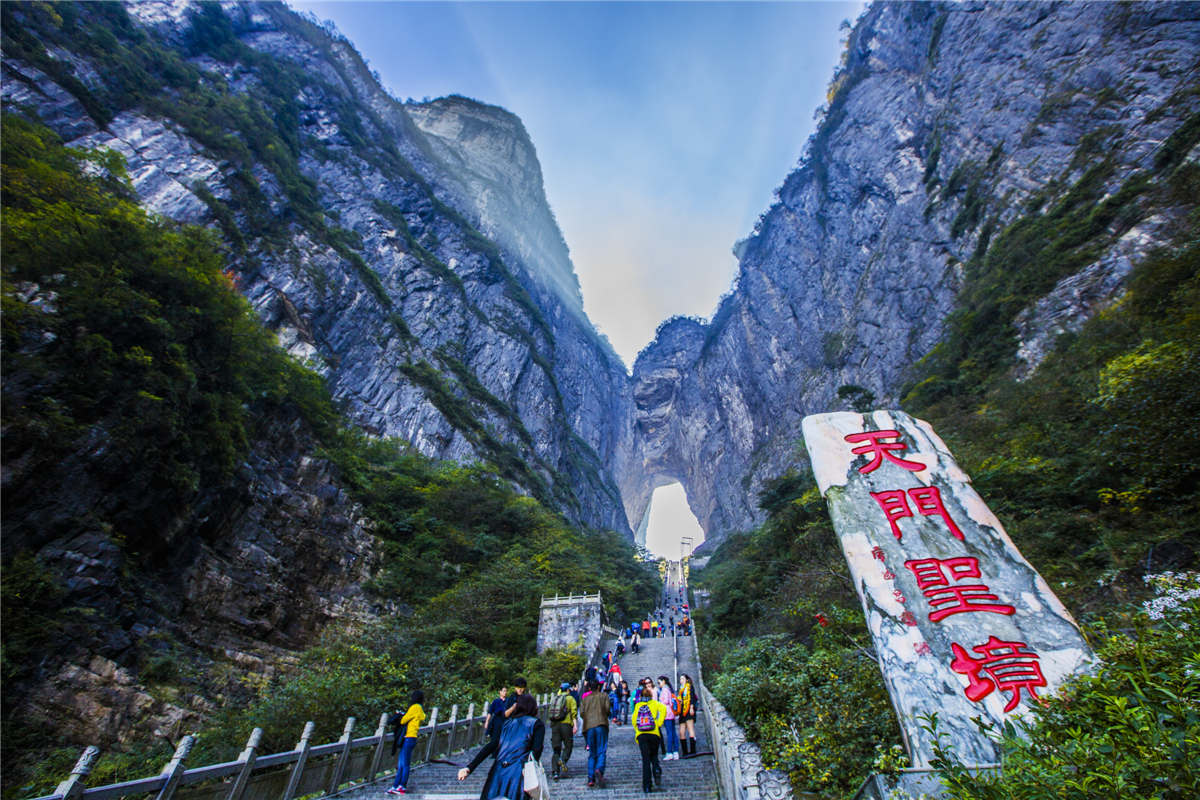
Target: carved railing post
point(432, 735)
point(73, 786)
point(749, 765)
point(469, 741)
point(450, 733)
point(774, 784)
point(302, 748)
point(247, 758)
point(346, 741)
point(174, 769)
point(377, 759)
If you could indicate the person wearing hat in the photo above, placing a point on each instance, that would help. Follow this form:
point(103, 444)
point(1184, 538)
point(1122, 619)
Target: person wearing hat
point(521, 735)
point(563, 727)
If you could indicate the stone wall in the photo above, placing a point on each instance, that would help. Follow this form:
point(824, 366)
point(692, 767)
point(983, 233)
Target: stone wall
point(569, 621)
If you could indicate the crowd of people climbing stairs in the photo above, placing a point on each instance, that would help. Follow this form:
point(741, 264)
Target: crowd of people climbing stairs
point(671, 619)
point(661, 718)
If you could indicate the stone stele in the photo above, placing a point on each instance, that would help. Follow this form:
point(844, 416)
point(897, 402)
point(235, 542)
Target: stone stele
point(964, 626)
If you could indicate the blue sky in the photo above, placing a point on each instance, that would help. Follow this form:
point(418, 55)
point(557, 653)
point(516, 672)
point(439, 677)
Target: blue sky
point(663, 129)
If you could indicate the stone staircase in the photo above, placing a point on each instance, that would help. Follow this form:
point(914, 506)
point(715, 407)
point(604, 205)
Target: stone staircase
point(690, 778)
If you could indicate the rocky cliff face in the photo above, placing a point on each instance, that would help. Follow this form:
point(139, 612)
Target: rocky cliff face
point(946, 125)
point(243, 577)
point(487, 164)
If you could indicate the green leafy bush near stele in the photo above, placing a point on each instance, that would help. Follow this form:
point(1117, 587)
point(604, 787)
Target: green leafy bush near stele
point(817, 711)
point(1132, 730)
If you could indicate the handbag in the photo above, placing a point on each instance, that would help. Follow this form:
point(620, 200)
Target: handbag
point(534, 779)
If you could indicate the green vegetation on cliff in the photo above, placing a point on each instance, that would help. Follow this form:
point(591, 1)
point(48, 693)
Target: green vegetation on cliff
point(473, 557)
point(121, 331)
point(1093, 462)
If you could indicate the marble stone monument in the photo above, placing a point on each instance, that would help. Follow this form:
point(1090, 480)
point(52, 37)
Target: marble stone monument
point(963, 625)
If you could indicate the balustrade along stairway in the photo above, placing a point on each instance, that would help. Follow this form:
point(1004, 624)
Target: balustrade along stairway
point(725, 766)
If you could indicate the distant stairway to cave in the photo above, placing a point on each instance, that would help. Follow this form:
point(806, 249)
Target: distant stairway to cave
point(725, 767)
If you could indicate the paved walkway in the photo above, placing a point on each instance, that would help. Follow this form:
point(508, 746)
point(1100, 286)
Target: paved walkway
point(691, 778)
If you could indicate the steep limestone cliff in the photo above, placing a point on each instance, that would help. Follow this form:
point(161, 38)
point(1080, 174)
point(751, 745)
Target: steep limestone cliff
point(487, 163)
point(946, 125)
point(364, 252)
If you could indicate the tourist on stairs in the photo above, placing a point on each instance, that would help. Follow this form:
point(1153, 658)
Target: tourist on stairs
point(595, 709)
point(495, 710)
point(686, 701)
point(648, 718)
point(521, 734)
point(666, 696)
point(563, 727)
point(406, 723)
point(623, 698)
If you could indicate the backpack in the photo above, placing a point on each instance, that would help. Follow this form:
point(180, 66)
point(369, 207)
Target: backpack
point(645, 719)
point(558, 707)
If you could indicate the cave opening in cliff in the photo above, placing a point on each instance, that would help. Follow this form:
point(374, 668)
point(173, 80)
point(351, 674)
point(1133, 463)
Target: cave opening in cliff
point(670, 521)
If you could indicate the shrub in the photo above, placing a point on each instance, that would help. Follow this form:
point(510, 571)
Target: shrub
point(817, 713)
point(1131, 730)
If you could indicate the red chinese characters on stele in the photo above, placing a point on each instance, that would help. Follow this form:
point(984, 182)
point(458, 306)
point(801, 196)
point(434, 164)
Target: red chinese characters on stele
point(927, 499)
point(934, 578)
point(1000, 665)
point(879, 450)
point(1008, 666)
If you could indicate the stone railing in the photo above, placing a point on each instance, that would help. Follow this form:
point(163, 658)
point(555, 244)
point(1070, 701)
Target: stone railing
point(307, 770)
point(740, 771)
point(570, 599)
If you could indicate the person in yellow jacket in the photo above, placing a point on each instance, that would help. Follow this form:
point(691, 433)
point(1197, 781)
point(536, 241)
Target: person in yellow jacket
point(686, 697)
point(406, 724)
point(648, 718)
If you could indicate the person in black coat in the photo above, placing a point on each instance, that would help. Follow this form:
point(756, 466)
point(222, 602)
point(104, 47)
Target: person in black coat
point(521, 734)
